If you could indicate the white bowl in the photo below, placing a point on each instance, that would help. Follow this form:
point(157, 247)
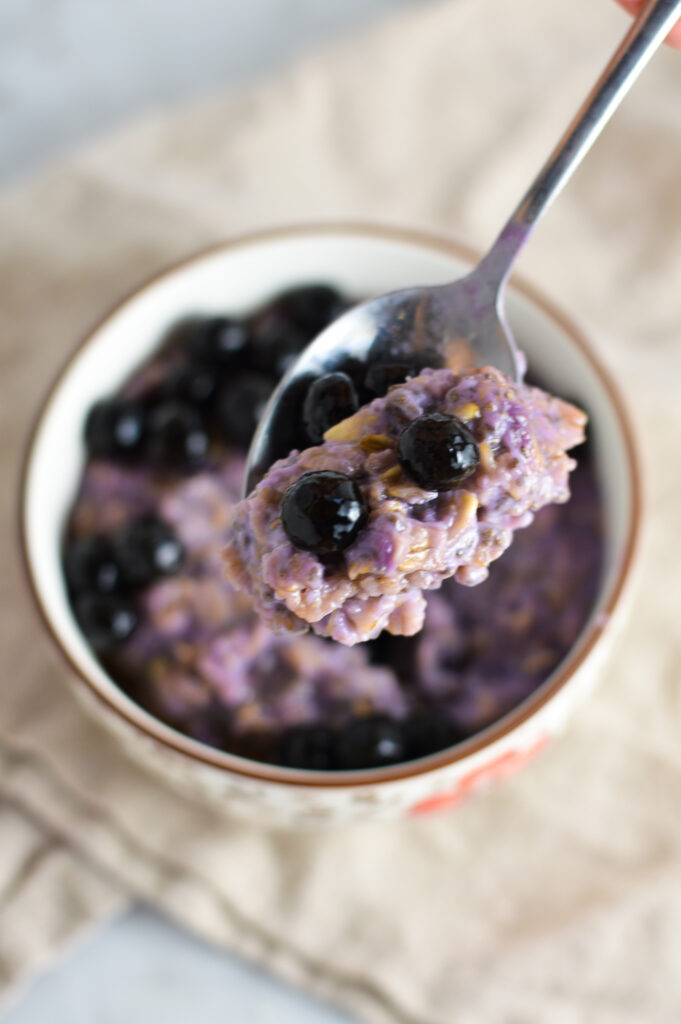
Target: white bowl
point(236, 277)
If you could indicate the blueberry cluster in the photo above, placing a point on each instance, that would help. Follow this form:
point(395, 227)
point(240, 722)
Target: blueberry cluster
point(223, 372)
point(373, 741)
point(103, 574)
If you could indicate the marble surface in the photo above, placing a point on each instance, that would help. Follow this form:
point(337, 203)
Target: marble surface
point(140, 969)
point(71, 69)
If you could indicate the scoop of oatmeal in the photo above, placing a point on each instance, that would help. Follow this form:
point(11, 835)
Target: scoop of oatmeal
point(426, 483)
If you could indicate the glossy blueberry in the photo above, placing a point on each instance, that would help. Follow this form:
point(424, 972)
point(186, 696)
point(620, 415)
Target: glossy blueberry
point(221, 341)
point(277, 342)
point(323, 512)
point(239, 405)
point(114, 428)
point(356, 370)
point(283, 329)
point(146, 549)
point(308, 746)
point(106, 620)
point(195, 383)
point(330, 399)
point(399, 653)
point(438, 451)
point(177, 438)
point(311, 307)
point(428, 731)
point(385, 374)
point(91, 565)
point(370, 742)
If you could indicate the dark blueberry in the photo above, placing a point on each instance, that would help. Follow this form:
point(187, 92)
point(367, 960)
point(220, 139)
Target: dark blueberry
point(287, 430)
point(383, 375)
point(106, 621)
point(308, 746)
point(277, 342)
point(177, 438)
point(90, 565)
point(356, 370)
point(457, 661)
point(329, 400)
point(289, 323)
point(428, 731)
point(370, 743)
point(220, 340)
point(180, 336)
point(239, 405)
point(196, 383)
point(323, 512)
point(311, 308)
point(146, 549)
point(438, 451)
point(114, 428)
point(398, 653)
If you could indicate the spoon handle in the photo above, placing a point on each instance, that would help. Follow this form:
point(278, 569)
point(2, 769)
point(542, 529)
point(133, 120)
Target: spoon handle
point(646, 34)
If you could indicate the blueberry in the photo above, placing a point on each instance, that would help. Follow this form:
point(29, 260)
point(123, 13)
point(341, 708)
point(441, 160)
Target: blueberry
point(177, 438)
point(90, 565)
point(398, 653)
point(383, 375)
point(308, 746)
point(428, 731)
point(329, 400)
point(323, 512)
point(370, 742)
point(196, 384)
point(438, 451)
point(239, 405)
point(356, 370)
point(107, 621)
point(146, 549)
point(114, 428)
point(221, 340)
point(311, 307)
point(457, 661)
point(289, 323)
point(277, 342)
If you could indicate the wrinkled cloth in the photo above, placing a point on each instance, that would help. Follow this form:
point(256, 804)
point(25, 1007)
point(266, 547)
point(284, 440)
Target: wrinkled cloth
point(555, 896)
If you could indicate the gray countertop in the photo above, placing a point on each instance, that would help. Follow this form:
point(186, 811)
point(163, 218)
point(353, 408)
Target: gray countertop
point(141, 969)
point(71, 69)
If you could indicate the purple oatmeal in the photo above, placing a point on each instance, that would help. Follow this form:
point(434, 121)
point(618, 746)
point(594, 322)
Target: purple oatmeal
point(144, 567)
point(416, 534)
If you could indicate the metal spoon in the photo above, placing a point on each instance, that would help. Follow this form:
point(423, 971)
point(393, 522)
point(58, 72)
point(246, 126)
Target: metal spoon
point(468, 316)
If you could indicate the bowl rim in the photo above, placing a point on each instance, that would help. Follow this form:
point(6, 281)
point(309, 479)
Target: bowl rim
point(151, 728)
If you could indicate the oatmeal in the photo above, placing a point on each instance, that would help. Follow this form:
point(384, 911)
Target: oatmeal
point(416, 518)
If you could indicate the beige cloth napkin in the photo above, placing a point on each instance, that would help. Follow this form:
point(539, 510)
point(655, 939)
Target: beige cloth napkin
point(556, 896)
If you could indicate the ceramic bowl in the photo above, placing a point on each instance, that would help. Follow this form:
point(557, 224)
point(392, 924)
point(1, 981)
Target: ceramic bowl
point(237, 277)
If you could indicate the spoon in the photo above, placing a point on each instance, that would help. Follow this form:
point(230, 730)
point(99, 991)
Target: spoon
point(464, 321)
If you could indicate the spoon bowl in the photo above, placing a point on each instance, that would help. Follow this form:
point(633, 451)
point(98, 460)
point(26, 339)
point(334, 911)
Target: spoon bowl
point(454, 325)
